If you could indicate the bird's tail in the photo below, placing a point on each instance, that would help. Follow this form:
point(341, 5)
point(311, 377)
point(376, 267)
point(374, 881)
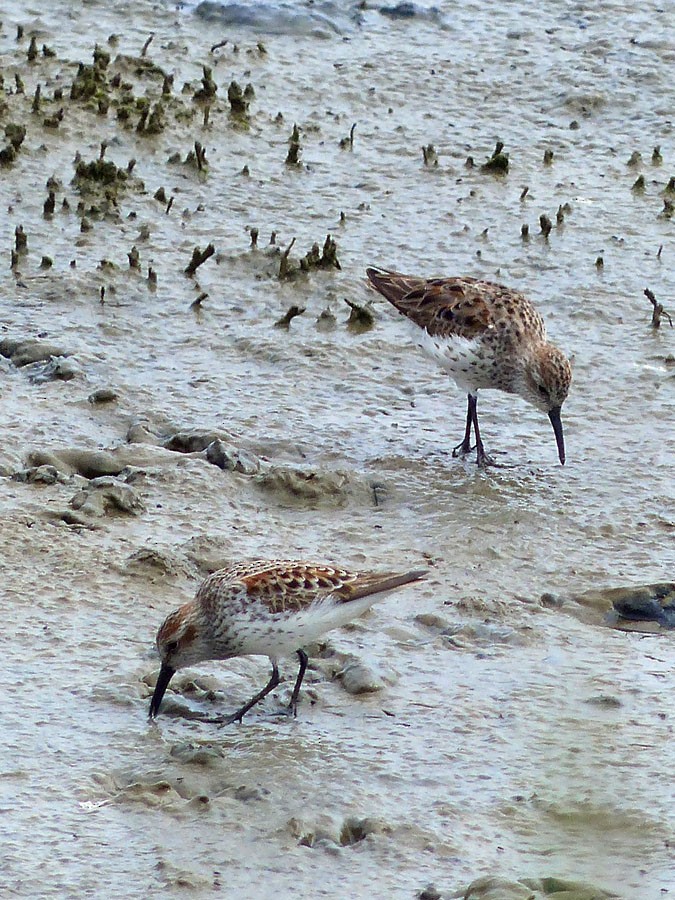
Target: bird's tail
point(377, 583)
point(392, 285)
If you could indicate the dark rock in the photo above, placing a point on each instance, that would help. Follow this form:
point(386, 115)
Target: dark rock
point(430, 892)
point(648, 608)
point(654, 602)
point(407, 10)
point(229, 458)
point(192, 441)
point(58, 368)
point(355, 830)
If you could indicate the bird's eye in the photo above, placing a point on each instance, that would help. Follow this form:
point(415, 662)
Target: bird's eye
point(172, 646)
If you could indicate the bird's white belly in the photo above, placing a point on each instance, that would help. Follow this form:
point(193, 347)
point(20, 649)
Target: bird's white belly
point(281, 636)
point(465, 360)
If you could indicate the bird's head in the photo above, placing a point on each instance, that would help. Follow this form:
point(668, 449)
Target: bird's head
point(179, 644)
point(546, 383)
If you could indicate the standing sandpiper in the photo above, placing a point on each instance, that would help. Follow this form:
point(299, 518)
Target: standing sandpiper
point(266, 608)
point(484, 335)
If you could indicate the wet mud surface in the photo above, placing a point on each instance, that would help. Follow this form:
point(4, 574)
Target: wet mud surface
point(492, 723)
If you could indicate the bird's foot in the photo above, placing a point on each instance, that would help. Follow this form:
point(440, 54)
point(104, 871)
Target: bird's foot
point(231, 719)
point(290, 710)
point(462, 450)
point(484, 460)
point(287, 711)
point(223, 720)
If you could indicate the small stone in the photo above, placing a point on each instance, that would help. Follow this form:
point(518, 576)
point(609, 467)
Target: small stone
point(152, 562)
point(58, 368)
point(197, 754)
point(246, 793)
point(355, 830)
point(105, 495)
point(490, 887)
point(20, 239)
point(290, 314)
point(143, 433)
point(229, 458)
point(429, 156)
point(191, 441)
point(15, 134)
point(430, 892)
point(39, 475)
point(431, 620)
point(498, 162)
point(102, 395)
point(357, 678)
point(361, 318)
point(605, 700)
point(22, 353)
point(326, 321)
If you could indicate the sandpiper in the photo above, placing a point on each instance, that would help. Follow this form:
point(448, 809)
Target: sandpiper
point(268, 608)
point(484, 335)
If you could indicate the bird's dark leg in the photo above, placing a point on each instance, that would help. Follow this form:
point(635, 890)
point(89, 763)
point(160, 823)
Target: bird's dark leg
point(482, 458)
point(293, 705)
point(465, 447)
point(240, 713)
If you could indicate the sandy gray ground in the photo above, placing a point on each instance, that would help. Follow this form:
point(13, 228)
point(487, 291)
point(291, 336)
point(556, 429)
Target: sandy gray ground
point(506, 737)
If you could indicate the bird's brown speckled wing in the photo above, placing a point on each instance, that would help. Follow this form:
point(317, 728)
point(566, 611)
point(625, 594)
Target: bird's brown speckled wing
point(463, 307)
point(288, 585)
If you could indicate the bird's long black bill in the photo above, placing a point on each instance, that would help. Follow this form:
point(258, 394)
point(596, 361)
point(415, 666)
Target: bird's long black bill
point(554, 416)
point(166, 673)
